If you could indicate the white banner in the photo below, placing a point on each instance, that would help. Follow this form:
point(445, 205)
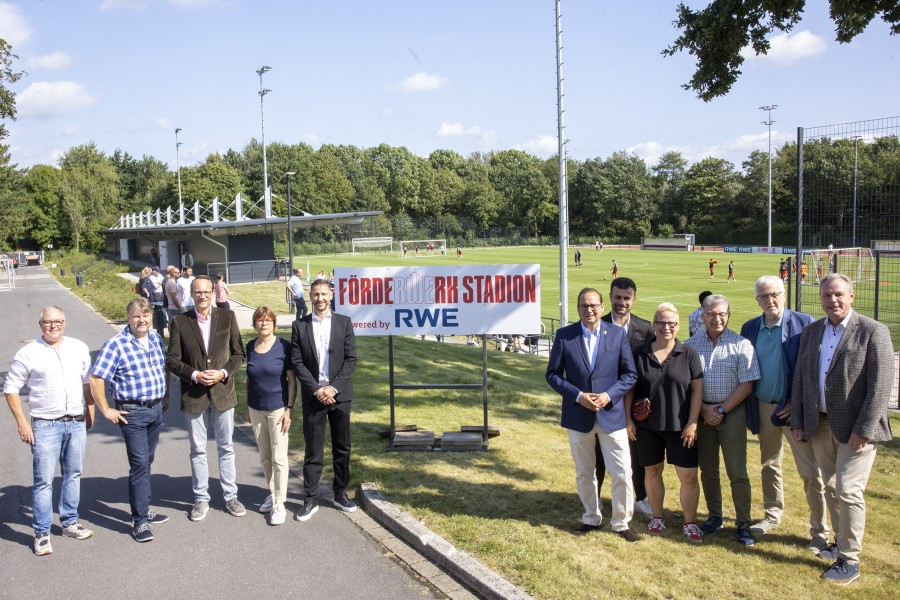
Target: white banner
point(472, 299)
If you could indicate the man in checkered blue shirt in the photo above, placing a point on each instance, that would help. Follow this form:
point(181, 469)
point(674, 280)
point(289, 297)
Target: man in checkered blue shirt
point(729, 370)
point(134, 363)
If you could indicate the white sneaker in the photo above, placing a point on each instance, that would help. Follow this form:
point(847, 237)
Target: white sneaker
point(644, 507)
point(277, 516)
point(267, 504)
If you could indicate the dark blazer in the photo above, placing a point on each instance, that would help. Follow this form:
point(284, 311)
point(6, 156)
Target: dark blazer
point(792, 324)
point(857, 386)
point(341, 357)
point(188, 354)
point(640, 331)
point(569, 373)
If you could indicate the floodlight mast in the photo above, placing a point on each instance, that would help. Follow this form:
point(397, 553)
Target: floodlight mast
point(770, 122)
point(262, 94)
point(563, 178)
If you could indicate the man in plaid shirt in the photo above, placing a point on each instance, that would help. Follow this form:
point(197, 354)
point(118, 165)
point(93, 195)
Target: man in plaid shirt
point(729, 370)
point(134, 363)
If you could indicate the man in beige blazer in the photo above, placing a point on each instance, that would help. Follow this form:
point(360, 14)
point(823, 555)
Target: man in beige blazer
point(842, 382)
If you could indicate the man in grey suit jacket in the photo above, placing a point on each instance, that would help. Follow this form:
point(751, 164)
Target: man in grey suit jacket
point(205, 351)
point(323, 352)
point(591, 367)
point(622, 295)
point(843, 379)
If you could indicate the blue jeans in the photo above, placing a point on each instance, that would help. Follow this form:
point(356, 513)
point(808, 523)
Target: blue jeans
point(141, 435)
point(63, 443)
point(300, 304)
point(222, 423)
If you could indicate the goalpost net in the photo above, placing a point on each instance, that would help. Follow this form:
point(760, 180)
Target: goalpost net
point(372, 245)
point(857, 263)
point(420, 248)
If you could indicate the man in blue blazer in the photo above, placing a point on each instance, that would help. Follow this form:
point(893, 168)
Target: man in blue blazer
point(776, 337)
point(591, 367)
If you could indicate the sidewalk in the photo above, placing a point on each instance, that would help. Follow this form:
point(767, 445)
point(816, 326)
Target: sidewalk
point(219, 557)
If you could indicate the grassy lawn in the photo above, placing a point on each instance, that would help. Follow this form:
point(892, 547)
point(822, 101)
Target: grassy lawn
point(513, 507)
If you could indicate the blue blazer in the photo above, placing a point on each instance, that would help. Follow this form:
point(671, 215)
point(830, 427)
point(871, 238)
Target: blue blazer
point(569, 373)
point(792, 324)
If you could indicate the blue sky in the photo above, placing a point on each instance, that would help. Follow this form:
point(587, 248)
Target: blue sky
point(464, 75)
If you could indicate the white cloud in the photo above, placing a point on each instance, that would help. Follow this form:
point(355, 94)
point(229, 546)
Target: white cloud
point(388, 112)
point(14, 27)
point(789, 48)
point(456, 129)
point(137, 5)
point(541, 145)
point(420, 82)
point(47, 99)
point(49, 62)
point(72, 131)
point(312, 139)
point(160, 124)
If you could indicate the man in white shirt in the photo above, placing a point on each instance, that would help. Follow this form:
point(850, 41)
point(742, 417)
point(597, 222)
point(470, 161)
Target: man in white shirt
point(55, 369)
point(184, 284)
point(295, 285)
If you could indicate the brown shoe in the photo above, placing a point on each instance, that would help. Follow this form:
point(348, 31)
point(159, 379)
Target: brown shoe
point(584, 529)
point(628, 535)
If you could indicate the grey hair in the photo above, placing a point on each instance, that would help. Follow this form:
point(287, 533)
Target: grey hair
point(667, 307)
point(141, 304)
point(771, 280)
point(51, 307)
point(833, 276)
point(715, 300)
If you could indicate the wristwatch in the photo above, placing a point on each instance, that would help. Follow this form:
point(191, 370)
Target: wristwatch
point(720, 410)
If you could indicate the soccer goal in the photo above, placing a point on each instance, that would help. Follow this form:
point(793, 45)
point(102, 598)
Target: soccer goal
point(857, 263)
point(420, 248)
point(372, 245)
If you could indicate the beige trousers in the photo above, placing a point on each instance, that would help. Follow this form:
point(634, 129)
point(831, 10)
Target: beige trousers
point(771, 453)
point(273, 450)
point(846, 473)
point(617, 457)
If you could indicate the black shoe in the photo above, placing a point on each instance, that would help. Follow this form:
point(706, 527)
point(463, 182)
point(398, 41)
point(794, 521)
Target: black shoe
point(142, 533)
point(344, 503)
point(309, 509)
point(584, 528)
point(743, 534)
point(711, 525)
point(628, 535)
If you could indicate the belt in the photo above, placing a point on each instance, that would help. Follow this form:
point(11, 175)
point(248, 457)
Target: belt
point(63, 419)
point(147, 403)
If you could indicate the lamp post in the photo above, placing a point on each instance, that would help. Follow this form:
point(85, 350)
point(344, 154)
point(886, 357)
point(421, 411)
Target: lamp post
point(262, 94)
point(769, 122)
point(178, 163)
point(290, 230)
point(855, 170)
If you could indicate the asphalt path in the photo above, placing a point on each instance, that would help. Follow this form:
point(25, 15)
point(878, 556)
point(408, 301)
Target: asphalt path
point(217, 558)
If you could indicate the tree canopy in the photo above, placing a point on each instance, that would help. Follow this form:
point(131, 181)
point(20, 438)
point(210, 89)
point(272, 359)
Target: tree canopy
point(716, 34)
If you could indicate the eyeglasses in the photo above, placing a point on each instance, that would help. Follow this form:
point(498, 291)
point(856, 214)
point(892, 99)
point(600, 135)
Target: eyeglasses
point(665, 324)
point(264, 321)
point(713, 315)
point(199, 293)
point(589, 306)
point(52, 323)
point(769, 296)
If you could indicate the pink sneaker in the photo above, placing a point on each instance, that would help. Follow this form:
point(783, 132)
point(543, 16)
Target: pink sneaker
point(656, 526)
point(693, 533)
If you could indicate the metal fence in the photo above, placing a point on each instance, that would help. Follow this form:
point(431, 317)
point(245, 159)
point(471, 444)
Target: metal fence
point(253, 271)
point(848, 196)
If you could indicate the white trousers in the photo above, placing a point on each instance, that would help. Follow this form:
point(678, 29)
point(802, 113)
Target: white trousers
point(617, 457)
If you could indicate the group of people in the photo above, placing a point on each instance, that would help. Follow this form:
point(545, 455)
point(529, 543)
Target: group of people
point(634, 396)
point(204, 352)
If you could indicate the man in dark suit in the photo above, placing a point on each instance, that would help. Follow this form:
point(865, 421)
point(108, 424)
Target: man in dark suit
point(842, 383)
point(323, 352)
point(622, 294)
point(205, 351)
point(775, 336)
point(591, 366)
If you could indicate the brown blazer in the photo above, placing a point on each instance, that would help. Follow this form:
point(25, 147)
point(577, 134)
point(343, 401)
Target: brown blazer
point(857, 385)
point(187, 354)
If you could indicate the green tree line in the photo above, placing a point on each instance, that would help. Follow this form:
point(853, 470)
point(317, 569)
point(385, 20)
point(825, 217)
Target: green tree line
point(617, 199)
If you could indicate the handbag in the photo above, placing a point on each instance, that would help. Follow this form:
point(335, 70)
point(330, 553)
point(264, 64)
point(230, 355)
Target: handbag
point(640, 408)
